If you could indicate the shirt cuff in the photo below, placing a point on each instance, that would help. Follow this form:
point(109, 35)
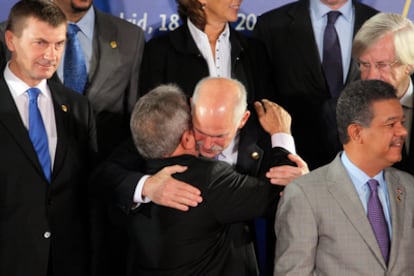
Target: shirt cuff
point(285, 141)
point(138, 191)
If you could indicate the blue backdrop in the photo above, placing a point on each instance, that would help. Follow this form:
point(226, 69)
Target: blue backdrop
point(156, 16)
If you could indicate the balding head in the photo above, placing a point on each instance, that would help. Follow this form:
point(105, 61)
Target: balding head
point(218, 110)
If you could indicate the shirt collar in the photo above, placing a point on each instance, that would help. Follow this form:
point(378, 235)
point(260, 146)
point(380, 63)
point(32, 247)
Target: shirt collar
point(232, 147)
point(407, 99)
point(87, 23)
point(19, 87)
point(359, 176)
point(198, 35)
point(320, 10)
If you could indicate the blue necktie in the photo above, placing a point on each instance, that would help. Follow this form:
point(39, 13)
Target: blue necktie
point(37, 133)
point(332, 57)
point(377, 220)
point(74, 72)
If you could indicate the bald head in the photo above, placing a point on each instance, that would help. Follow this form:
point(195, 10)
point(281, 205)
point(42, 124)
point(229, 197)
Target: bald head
point(220, 97)
point(218, 111)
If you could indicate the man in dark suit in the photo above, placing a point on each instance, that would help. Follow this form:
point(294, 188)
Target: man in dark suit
point(44, 208)
point(293, 35)
point(198, 242)
point(238, 140)
point(382, 48)
point(112, 48)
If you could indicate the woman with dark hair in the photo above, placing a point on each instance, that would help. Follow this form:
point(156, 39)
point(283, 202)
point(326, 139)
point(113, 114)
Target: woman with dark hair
point(206, 45)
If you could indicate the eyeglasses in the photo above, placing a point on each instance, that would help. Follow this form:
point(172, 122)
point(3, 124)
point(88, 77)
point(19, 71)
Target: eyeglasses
point(380, 66)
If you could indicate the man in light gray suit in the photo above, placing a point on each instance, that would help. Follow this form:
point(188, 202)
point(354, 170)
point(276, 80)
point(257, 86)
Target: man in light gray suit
point(324, 223)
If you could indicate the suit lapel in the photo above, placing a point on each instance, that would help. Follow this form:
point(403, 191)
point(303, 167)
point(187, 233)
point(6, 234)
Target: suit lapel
point(104, 45)
point(10, 118)
point(250, 157)
point(299, 30)
point(396, 191)
point(348, 199)
point(62, 111)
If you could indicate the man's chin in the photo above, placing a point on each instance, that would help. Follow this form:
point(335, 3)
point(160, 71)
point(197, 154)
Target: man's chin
point(80, 8)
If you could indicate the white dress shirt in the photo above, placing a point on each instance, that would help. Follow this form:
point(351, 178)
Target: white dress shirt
point(18, 90)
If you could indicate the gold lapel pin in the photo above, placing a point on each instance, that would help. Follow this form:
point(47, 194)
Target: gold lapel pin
point(113, 44)
point(399, 194)
point(255, 155)
point(64, 108)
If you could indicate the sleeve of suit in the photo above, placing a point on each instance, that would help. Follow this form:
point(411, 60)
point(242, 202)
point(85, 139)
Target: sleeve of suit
point(296, 233)
point(244, 197)
point(117, 177)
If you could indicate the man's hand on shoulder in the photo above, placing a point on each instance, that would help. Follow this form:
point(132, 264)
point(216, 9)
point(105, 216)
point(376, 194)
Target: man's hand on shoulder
point(283, 175)
point(273, 117)
point(167, 191)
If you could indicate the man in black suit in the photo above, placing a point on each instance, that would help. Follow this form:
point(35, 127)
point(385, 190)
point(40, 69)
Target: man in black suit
point(241, 142)
point(198, 242)
point(293, 35)
point(113, 49)
point(44, 208)
point(383, 49)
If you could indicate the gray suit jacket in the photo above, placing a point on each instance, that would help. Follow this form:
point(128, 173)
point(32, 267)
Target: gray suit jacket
point(322, 228)
point(113, 77)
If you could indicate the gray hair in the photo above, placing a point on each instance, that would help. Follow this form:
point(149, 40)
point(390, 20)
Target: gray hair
point(159, 120)
point(384, 23)
point(355, 104)
point(241, 105)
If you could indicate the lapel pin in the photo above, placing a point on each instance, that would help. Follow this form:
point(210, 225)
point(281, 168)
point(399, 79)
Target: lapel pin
point(114, 44)
point(64, 108)
point(399, 194)
point(255, 155)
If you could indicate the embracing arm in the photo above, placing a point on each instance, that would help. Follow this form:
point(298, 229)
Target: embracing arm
point(275, 120)
point(117, 179)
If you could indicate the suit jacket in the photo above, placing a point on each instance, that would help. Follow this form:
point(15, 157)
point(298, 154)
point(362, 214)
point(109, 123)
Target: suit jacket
point(175, 58)
point(322, 227)
point(407, 162)
point(42, 222)
point(113, 77)
point(121, 172)
point(299, 79)
point(198, 242)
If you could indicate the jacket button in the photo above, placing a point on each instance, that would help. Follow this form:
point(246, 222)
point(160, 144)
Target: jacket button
point(255, 155)
point(46, 235)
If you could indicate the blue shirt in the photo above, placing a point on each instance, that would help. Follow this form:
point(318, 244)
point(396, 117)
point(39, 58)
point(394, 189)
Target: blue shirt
point(360, 179)
point(344, 26)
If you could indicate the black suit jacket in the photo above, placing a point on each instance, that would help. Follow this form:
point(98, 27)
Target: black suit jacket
point(299, 80)
point(407, 162)
point(198, 242)
point(121, 172)
point(30, 207)
point(113, 77)
point(175, 58)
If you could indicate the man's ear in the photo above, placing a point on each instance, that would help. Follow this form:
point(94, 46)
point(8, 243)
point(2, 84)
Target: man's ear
point(354, 133)
point(244, 119)
point(188, 140)
point(8, 36)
